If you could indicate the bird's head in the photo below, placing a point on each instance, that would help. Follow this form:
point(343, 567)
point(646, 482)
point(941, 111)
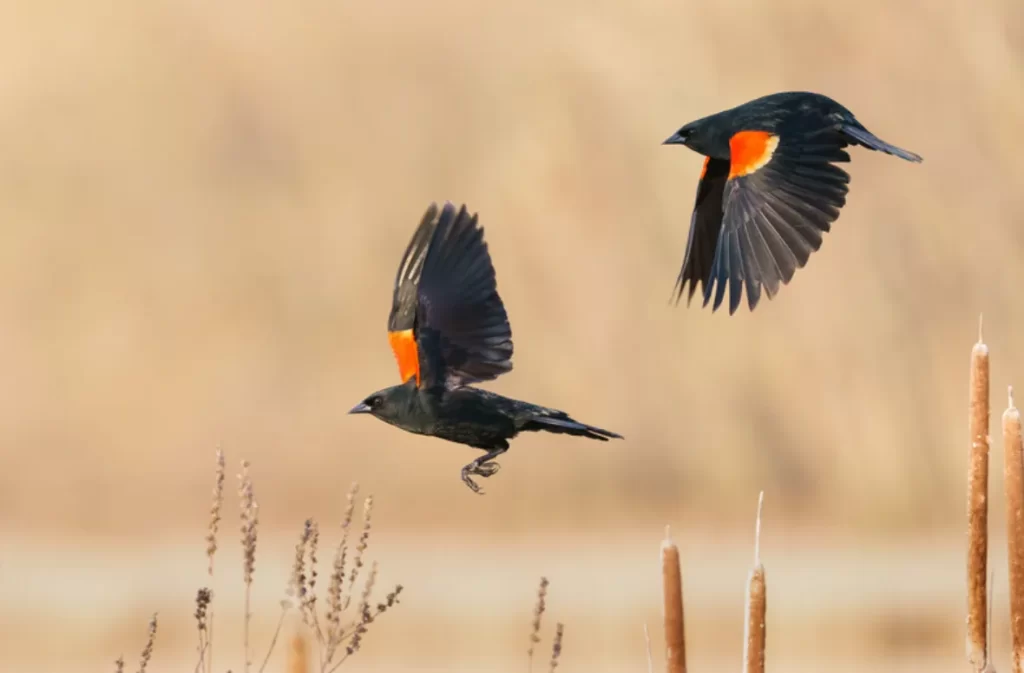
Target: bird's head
point(702, 137)
point(386, 404)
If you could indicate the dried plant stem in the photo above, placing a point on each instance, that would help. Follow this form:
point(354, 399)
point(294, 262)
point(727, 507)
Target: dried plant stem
point(754, 622)
point(273, 639)
point(672, 585)
point(556, 647)
point(250, 527)
point(977, 508)
point(538, 613)
point(1013, 481)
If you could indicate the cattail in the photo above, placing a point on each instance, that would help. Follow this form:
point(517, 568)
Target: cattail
point(147, 650)
point(977, 507)
point(672, 585)
point(556, 647)
point(215, 506)
point(754, 622)
point(1013, 481)
point(538, 614)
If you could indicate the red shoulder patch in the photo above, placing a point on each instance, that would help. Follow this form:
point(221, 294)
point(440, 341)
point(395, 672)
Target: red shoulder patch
point(403, 343)
point(750, 151)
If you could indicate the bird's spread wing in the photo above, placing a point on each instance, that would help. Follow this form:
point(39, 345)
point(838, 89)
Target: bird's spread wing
point(781, 193)
point(705, 225)
point(448, 325)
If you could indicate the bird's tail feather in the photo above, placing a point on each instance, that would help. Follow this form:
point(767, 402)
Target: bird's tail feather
point(868, 139)
point(562, 424)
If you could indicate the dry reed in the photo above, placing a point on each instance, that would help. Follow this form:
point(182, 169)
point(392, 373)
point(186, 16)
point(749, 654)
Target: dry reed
point(1013, 482)
point(342, 633)
point(672, 585)
point(756, 604)
point(977, 507)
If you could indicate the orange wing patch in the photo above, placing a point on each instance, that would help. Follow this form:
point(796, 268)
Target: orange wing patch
point(403, 343)
point(704, 169)
point(750, 150)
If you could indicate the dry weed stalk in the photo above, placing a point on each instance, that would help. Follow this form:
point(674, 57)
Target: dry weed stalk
point(1013, 482)
point(756, 604)
point(119, 665)
point(147, 651)
point(250, 528)
point(538, 614)
point(672, 586)
point(977, 507)
point(204, 597)
point(556, 646)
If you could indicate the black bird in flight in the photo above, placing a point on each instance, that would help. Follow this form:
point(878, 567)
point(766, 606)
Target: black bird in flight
point(768, 191)
point(448, 328)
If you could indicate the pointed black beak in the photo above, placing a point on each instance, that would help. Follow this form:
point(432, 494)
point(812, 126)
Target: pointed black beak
point(361, 408)
point(675, 139)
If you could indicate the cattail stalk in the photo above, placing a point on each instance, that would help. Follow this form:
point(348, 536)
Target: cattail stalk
point(672, 587)
point(1013, 480)
point(977, 508)
point(756, 605)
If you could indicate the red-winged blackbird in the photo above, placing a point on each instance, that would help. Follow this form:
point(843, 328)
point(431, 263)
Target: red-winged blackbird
point(768, 191)
point(448, 328)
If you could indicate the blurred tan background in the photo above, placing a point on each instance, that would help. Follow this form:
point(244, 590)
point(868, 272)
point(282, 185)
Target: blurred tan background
point(202, 206)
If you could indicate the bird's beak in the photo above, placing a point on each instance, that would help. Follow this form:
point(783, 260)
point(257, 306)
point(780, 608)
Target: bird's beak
point(360, 408)
point(674, 139)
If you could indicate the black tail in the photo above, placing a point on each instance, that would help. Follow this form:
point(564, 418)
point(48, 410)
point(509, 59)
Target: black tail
point(871, 141)
point(550, 420)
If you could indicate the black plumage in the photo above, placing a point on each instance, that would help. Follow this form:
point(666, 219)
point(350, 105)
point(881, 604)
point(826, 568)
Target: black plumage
point(769, 191)
point(448, 328)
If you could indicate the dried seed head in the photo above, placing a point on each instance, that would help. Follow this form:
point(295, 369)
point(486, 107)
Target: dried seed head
point(556, 647)
point(297, 581)
point(203, 598)
point(364, 540)
point(147, 651)
point(250, 522)
point(215, 506)
point(119, 665)
point(538, 612)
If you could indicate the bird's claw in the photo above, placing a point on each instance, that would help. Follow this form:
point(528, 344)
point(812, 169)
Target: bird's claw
point(484, 470)
point(487, 469)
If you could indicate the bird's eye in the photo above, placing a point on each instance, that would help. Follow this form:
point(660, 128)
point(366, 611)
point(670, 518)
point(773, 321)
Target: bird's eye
point(374, 402)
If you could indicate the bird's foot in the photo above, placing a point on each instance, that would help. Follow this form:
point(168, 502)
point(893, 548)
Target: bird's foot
point(484, 470)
